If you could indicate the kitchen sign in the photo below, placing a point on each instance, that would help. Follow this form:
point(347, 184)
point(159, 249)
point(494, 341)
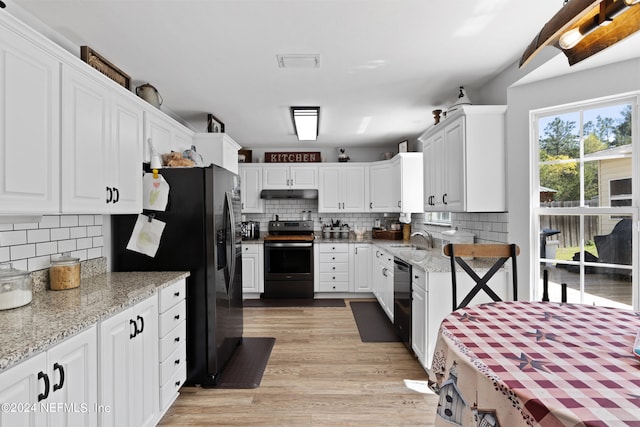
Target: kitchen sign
point(293, 157)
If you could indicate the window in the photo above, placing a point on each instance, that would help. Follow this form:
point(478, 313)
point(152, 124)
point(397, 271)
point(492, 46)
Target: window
point(438, 218)
point(586, 203)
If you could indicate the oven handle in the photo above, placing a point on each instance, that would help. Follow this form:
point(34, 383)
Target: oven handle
point(288, 245)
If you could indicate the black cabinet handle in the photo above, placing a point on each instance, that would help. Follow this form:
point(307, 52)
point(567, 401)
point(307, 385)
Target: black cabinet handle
point(177, 339)
point(370, 205)
point(176, 362)
point(444, 198)
point(176, 317)
point(176, 294)
point(109, 195)
point(135, 328)
point(45, 377)
point(117, 193)
point(177, 383)
point(60, 369)
point(139, 331)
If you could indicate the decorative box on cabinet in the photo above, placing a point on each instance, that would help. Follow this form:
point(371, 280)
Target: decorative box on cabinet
point(334, 267)
point(219, 149)
point(343, 188)
point(128, 368)
point(30, 117)
point(172, 346)
point(64, 379)
point(464, 155)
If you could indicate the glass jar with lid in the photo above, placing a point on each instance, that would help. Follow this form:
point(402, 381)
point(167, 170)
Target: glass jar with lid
point(64, 272)
point(15, 287)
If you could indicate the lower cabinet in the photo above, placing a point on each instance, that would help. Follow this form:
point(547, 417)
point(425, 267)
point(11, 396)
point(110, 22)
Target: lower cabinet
point(361, 267)
point(54, 388)
point(419, 314)
point(252, 268)
point(128, 377)
point(334, 267)
point(383, 279)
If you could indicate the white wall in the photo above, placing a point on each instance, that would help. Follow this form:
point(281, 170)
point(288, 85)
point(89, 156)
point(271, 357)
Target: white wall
point(594, 83)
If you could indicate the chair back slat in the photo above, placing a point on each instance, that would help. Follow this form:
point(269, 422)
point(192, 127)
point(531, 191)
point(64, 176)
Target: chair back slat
point(481, 250)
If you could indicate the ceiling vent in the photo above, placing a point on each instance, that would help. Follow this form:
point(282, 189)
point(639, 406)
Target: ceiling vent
point(298, 61)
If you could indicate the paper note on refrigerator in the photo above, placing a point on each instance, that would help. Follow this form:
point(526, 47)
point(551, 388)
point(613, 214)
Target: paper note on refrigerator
point(146, 235)
point(155, 192)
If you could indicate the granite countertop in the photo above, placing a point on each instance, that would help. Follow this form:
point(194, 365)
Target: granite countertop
point(53, 316)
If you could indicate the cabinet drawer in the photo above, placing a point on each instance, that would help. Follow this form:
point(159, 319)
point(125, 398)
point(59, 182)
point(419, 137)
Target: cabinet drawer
point(171, 295)
point(172, 318)
point(334, 247)
point(334, 277)
point(172, 363)
point(337, 267)
point(170, 389)
point(419, 278)
point(334, 287)
point(334, 257)
point(251, 248)
point(171, 341)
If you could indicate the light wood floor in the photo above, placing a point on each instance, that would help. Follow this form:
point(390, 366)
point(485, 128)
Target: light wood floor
point(319, 374)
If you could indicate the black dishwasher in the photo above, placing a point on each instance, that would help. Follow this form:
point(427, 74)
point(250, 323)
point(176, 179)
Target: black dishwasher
point(402, 300)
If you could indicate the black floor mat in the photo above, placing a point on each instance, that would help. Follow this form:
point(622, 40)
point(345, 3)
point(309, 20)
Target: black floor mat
point(373, 323)
point(247, 364)
point(286, 302)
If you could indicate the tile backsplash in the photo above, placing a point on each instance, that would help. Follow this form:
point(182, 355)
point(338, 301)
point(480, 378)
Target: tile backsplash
point(30, 246)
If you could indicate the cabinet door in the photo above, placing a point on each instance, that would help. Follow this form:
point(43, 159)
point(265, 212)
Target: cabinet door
point(29, 127)
point(125, 162)
point(249, 272)
point(304, 177)
point(73, 367)
point(275, 177)
point(251, 186)
point(85, 138)
point(182, 140)
point(382, 194)
point(329, 190)
point(418, 323)
point(433, 170)
point(144, 374)
point(114, 369)
point(354, 189)
point(158, 132)
point(362, 268)
point(454, 166)
point(20, 385)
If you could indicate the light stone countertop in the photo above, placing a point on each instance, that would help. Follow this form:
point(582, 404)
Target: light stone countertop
point(53, 316)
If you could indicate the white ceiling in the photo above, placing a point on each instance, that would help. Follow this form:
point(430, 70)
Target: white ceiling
point(387, 63)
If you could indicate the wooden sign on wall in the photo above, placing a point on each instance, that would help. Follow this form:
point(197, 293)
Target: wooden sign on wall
point(292, 157)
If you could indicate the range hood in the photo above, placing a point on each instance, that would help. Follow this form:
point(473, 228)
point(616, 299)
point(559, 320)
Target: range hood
point(289, 194)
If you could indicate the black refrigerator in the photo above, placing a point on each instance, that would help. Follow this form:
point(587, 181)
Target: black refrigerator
point(202, 235)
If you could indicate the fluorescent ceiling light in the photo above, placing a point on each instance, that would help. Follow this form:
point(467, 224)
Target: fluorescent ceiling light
point(305, 122)
point(298, 61)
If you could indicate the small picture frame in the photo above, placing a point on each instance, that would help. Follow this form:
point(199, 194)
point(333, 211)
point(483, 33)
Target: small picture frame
point(403, 146)
point(214, 125)
point(244, 156)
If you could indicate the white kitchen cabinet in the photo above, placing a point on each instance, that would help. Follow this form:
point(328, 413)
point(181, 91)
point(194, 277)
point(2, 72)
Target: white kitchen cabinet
point(218, 149)
point(29, 125)
point(289, 177)
point(343, 188)
point(464, 161)
point(419, 314)
point(128, 368)
point(334, 267)
point(396, 185)
point(172, 309)
point(250, 188)
point(383, 279)
point(164, 133)
point(252, 268)
point(60, 384)
point(361, 267)
point(101, 147)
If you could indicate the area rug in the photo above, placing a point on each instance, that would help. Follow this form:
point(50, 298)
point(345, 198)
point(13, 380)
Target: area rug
point(373, 323)
point(285, 302)
point(246, 367)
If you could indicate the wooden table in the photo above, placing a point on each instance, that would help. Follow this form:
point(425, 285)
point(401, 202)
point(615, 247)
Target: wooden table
point(537, 364)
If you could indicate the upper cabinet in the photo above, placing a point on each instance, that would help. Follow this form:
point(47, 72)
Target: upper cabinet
point(289, 177)
point(343, 188)
point(250, 187)
point(29, 126)
point(101, 147)
point(396, 184)
point(464, 161)
point(219, 149)
point(164, 133)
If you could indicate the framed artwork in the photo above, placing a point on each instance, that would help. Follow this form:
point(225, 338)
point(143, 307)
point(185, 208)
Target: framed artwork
point(214, 125)
point(244, 156)
point(95, 60)
point(402, 147)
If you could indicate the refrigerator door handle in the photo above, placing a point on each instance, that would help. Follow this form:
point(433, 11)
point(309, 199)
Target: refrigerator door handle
point(231, 256)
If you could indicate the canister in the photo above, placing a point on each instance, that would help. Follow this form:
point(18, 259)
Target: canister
point(15, 287)
point(64, 272)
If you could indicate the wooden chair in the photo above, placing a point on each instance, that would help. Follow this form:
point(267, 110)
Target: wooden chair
point(456, 251)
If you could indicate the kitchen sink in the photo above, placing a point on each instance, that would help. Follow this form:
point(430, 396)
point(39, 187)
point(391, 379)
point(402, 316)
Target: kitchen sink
point(403, 246)
point(415, 255)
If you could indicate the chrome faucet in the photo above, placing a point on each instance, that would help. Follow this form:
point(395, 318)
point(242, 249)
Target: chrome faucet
point(428, 238)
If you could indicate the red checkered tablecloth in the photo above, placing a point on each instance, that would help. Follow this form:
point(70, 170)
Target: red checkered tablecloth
point(537, 364)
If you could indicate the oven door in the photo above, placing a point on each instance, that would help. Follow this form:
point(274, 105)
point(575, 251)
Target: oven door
point(288, 270)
